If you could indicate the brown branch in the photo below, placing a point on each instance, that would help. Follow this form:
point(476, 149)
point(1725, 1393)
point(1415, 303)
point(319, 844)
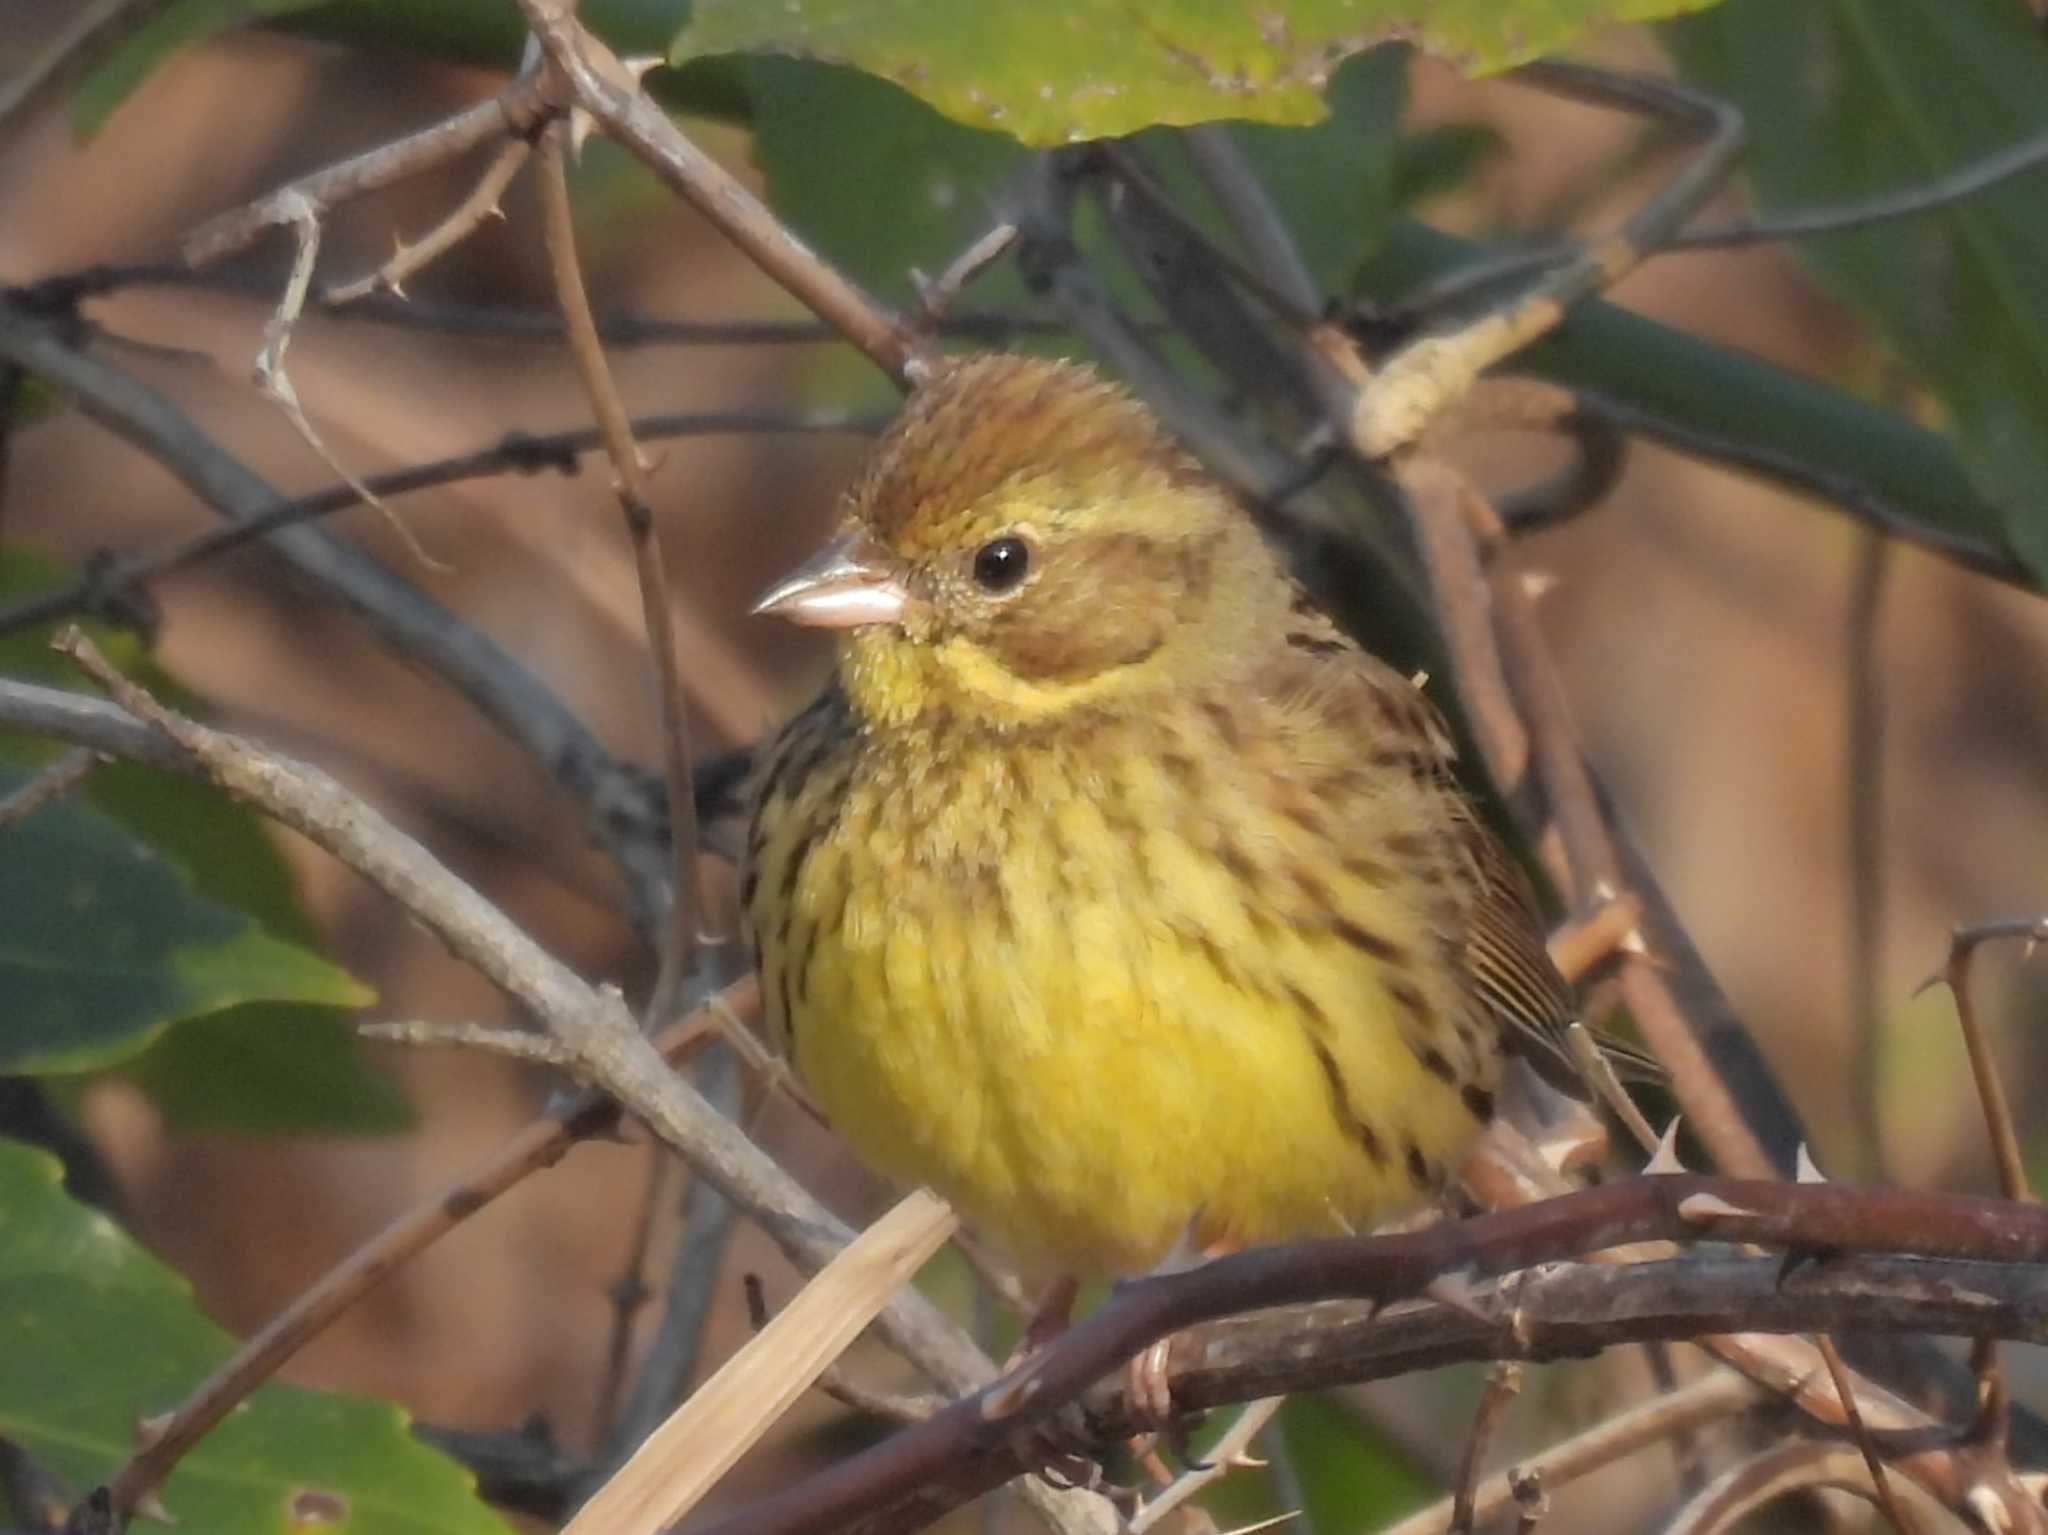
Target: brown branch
point(1998, 1122)
point(679, 936)
point(591, 77)
point(1503, 1384)
point(964, 1450)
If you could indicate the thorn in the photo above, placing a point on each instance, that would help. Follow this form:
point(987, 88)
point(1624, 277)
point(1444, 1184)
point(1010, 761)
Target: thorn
point(396, 287)
point(1006, 1397)
point(1702, 1208)
point(1273, 1523)
point(1928, 985)
point(640, 65)
point(1664, 1160)
point(1604, 891)
point(1454, 1289)
point(581, 126)
point(1419, 681)
point(150, 1429)
point(1244, 1460)
point(149, 1506)
point(1633, 942)
point(1538, 584)
point(1805, 1169)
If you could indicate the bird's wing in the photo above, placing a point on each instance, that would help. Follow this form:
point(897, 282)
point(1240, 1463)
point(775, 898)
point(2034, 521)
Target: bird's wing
point(1508, 965)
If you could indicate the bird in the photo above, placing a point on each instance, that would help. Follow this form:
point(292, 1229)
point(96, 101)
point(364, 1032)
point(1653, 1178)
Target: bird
point(1108, 887)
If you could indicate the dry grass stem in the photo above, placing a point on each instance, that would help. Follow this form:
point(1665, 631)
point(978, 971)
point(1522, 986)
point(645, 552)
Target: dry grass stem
point(703, 1438)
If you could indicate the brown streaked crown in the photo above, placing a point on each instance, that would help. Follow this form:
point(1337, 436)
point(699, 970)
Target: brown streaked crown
point(989, 425)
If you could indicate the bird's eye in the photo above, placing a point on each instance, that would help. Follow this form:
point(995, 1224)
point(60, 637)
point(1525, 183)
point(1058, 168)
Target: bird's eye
point(1000, 564)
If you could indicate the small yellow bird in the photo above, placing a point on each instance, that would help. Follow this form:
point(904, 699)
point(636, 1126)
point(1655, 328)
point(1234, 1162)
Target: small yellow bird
point(1108, 888)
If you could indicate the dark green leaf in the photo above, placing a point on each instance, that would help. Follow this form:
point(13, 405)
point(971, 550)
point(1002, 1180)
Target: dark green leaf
point(256, 1068)
point(100, 1335)
point(1846, 98)
point(104, 945)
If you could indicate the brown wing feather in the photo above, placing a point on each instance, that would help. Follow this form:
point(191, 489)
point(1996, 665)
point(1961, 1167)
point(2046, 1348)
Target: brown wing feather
point(1505, 958)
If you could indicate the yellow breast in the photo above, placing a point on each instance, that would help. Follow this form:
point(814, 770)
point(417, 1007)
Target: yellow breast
point(1107, 990)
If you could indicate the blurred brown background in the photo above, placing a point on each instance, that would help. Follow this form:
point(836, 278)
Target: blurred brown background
point(1702, 616)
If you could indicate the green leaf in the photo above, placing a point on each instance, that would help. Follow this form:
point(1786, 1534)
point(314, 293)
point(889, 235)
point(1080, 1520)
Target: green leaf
point(138, 55)
point(1846, 98)
point(260, 1068)
point(104, 945)
point(99, 1335)
point(1085, 69)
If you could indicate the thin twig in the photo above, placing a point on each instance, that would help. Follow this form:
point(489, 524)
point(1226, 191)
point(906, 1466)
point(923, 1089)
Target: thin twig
point(679, 935)
point(1797, 1466)
point(113, 581)
point(1998, 1121)
point(670, 1361)
point(1712, 1397)
point(1882, 1491)
point(1229, 1453)
point(456, 226)
point(52, 783)
point(517, 111)
point(1863, 753)
point(513, 1044)
point(629, 1292)
point(1503, 1384)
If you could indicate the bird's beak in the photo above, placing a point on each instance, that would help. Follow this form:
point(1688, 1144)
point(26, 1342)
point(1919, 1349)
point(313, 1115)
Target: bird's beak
point(850, 583)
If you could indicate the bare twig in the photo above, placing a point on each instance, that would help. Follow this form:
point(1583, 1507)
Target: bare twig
point(1863, 789)
point(1998, 1122)
point(461, 221)
point(629, 1292)
point(1798, 1466)
point(52, 783)
point(1883, 1493)
point(679, 936)
point(1229, 1453)
point(514, 1044)
point(1711, 1397)
point(1503, 1384)
point(517, 111)
point(114, 580)
point(937, 296)
point(671, 1358)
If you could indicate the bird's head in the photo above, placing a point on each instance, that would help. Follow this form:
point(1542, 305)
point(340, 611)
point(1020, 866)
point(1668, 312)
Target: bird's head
point(1027, 539)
